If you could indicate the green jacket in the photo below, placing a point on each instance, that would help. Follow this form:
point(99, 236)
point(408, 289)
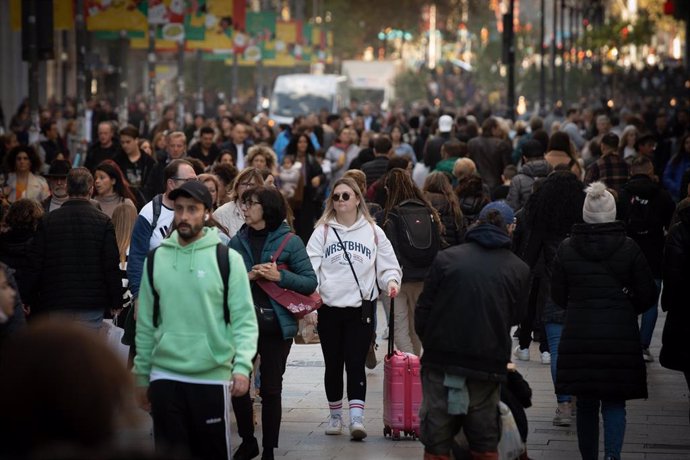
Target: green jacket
point(299, 277)
point(192, 339)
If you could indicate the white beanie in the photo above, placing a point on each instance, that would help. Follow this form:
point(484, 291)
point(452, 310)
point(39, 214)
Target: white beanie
point(600, 206)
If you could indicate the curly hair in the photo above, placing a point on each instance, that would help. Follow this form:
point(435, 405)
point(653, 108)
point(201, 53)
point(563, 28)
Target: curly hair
point(24, 215)
point(556, 204)
point(11, 158)
point(265, 151)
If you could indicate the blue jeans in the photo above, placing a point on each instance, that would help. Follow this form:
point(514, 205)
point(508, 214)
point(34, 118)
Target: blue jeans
point(613, 413)
point(553, 337)
point(649, 317)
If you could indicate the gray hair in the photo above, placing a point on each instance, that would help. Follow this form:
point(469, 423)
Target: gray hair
point(79, 182)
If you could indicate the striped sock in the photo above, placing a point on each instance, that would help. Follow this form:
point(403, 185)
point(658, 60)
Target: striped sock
point(336, 408)
point(356, 408)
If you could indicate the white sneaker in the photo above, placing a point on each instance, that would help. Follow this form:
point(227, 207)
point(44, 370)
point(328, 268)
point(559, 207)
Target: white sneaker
point(335, 425)
point(546, 357)
point(521, 353)
point(357, 430)
point(384, 336)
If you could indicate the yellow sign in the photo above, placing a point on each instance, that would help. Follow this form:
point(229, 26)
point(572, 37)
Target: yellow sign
point(63, 14)
point(110, 15)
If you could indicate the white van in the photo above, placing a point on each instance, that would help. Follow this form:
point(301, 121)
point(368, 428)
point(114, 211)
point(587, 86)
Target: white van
point(302, 94)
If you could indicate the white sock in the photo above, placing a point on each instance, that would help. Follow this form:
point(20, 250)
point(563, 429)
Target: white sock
point(356, 408)
point(336, 408)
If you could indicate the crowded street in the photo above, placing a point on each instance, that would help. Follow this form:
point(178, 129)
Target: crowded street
point(343, 229)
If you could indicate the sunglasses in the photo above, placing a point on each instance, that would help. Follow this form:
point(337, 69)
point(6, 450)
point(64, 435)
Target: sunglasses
point(345, 196)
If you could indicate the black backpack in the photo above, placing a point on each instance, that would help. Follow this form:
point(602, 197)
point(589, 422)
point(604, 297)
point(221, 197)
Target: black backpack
point(639, 220)
point(412, 226)
point(223, 266)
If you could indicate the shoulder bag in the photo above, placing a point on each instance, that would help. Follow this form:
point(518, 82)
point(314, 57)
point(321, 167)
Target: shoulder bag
point(298, 304)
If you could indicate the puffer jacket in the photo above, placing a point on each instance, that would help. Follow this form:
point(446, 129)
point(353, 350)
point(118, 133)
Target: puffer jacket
point(675, 353)
point(74, 263)
point(600, 356)
point(299, 276)
point(522, 184)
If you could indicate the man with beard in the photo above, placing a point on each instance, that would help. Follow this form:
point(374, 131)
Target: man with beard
point(200, 348)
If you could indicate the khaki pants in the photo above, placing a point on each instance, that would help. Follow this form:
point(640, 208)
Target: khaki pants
point(406, 339)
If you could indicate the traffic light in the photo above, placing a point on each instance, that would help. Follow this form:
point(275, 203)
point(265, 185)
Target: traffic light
point(680, 9)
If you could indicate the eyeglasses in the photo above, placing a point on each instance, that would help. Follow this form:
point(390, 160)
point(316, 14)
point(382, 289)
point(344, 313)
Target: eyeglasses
point(345, 196)
point(248, 204)
point(185, 179)
point(247, 184)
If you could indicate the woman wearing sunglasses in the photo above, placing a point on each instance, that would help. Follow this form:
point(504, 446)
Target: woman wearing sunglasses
point(351, 257)
point(264, 210)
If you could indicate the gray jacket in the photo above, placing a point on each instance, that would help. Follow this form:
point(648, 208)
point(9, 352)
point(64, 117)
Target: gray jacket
point(521, 185)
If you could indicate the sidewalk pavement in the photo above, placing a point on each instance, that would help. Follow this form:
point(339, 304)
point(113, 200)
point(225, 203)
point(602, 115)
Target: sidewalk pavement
point(657, 428)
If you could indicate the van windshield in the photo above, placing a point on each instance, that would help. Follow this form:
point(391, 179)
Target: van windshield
point(294, 104)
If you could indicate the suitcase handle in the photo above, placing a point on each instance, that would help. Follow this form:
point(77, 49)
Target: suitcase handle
point(391, 328)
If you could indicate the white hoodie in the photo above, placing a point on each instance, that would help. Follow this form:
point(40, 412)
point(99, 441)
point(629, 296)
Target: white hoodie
point(371, 261)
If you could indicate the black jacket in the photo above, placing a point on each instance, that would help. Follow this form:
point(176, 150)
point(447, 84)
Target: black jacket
point(675, 353)
point(661, 207)
point(599, 356)
point(472, 296)
point(74, 261)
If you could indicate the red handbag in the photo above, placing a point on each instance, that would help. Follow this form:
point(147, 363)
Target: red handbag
point(298, 304)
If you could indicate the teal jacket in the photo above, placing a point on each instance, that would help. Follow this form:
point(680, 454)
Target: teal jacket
point(299, 276)
point(192, 339)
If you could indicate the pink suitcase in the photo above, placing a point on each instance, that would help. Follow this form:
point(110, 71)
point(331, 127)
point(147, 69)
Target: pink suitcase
point(402, 390)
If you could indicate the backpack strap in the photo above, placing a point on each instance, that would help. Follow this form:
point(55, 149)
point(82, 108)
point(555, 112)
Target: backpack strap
point(156, 298)
point(224, 267)
point(157, 208)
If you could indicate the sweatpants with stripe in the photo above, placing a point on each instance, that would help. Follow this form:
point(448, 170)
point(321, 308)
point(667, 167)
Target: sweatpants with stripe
point(191, 418)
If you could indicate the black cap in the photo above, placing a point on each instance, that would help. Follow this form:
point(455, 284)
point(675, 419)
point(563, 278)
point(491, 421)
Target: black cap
point(59, 168)
point(195, 190)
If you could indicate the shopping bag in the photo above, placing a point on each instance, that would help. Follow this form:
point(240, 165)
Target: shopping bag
point(113, 337)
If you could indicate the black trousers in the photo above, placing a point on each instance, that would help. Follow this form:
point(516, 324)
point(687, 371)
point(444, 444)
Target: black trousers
point(191, 418)
point(274, 352)
point(345, 341)
point(532, 319)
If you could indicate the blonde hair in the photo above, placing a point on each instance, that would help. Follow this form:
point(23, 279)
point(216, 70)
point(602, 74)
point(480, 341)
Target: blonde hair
point(329, 211)
point(246, 174)
point(358, 176)
point(124, 217)
point(464, 167)
point(178, 135)
point(266, 152)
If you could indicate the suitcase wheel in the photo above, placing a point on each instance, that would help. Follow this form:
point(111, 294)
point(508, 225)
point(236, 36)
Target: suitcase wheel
point(396, 435)
point(386, 431)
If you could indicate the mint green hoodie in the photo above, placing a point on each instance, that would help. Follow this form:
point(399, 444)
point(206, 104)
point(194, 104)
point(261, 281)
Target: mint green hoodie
point(192, 339)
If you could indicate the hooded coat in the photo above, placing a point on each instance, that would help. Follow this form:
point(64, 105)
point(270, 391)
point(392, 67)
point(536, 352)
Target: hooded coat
point(523, 183)
point(472, 296)
point(600, 356)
